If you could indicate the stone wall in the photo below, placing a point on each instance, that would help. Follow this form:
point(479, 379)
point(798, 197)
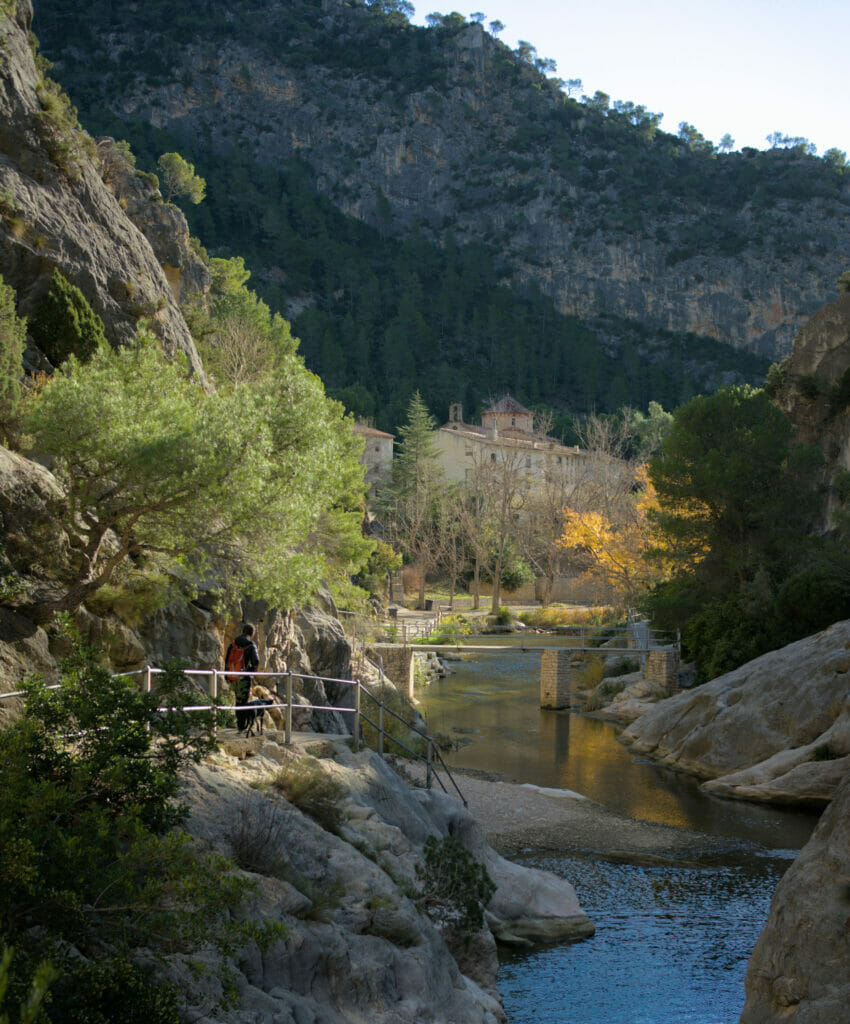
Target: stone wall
point(398, 664)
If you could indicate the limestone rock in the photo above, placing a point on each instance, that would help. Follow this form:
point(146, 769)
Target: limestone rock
point(773, 729)
point(162, 224)
point(798, 972)
point(345, 898)
point(57, 212)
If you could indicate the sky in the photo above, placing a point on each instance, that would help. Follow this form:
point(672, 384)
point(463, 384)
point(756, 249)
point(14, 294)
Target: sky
point(746, 67)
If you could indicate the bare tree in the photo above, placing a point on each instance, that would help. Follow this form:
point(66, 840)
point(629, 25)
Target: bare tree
point(501, 478)
point(542, 525)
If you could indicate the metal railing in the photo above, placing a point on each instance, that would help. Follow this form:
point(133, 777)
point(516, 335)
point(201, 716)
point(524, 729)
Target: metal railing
point(431, 759)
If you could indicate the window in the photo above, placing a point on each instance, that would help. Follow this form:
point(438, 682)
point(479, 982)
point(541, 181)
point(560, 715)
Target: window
point(492, 456)
point(528, 462)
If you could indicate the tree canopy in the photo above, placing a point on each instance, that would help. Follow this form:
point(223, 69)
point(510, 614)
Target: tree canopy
point(737, 500)
point(242, 480)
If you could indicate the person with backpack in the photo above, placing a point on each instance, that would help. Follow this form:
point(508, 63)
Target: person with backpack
point(242, 656)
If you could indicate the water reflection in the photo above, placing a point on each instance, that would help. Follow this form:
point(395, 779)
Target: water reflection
point(489, 706)
point(672, 942)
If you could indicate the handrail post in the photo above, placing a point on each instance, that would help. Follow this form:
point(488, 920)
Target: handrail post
point(214, 697)
point(148, 688)
point(381, 729)
point(289, 708)
point(429, 764)
point(356, 715)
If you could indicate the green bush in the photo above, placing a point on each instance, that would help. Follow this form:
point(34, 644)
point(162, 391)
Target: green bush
point(395, 701)
point(64, 323)
point(12, 340)
point(313, 790)
point(503, 617)
point(89, 855)
point(824, 752)
point(455, 887)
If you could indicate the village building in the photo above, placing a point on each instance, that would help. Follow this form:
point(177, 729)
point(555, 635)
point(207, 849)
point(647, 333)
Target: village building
point(377, 457)
point(506, 432)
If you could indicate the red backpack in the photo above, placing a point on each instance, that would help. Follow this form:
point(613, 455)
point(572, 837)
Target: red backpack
point(235, 661)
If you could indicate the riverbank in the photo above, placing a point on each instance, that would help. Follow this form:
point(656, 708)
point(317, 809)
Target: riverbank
point(520, 819)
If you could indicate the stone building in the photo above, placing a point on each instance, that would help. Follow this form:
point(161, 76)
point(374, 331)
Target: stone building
point(377, 456)
point(507, 431)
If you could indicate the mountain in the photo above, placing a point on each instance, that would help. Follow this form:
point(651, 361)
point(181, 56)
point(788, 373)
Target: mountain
point(427, 206)
point(64, 205)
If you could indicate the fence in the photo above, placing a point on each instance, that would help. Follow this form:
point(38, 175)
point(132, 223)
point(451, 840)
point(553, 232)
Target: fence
point(432, 759)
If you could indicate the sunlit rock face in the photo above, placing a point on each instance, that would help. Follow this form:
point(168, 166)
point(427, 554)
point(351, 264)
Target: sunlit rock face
point(776, 729)
point(61, 208)
point(458, 133)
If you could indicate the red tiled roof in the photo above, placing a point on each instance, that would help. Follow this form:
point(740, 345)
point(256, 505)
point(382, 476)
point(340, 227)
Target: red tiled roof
point(511, 405)
point(361, 428)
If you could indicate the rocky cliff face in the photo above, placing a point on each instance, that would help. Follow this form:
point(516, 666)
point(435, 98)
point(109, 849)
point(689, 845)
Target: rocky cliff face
point(813, 387)
point(451, 130)
point(63, 202)
point(798, 971)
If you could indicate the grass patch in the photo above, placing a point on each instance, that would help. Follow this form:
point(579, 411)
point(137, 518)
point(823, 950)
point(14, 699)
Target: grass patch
point(564, 615)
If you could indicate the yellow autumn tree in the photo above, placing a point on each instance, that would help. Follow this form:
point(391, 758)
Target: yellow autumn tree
point(614, 547)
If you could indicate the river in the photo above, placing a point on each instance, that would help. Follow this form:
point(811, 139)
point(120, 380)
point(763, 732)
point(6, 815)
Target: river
point(672, 940)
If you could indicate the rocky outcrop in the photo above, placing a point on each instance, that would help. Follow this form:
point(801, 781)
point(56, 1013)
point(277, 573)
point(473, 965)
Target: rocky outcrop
point(453, 129)
point(346, 900)
point(56, 211)
point(798, 972)
point(813, 387)
point(776, 729)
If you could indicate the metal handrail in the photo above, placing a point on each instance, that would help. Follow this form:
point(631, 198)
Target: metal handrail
point(149, 671)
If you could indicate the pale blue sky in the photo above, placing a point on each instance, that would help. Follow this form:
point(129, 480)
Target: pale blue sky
point(747, 67)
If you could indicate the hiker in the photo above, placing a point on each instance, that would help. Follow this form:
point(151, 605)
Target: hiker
point(242, 656)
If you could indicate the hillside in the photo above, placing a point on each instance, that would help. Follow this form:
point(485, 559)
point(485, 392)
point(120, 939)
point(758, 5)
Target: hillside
point(335, 138)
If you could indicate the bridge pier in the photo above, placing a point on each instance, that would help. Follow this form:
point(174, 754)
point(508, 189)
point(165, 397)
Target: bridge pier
point(555, 679)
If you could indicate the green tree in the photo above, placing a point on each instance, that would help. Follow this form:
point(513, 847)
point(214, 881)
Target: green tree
point(737, 500)
point(157, 469)
point(179, 178)
point(411, 502)
point(64, 324)
point(12, 338)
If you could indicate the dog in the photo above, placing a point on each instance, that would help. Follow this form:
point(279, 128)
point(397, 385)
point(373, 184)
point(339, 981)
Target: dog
point(254, 715)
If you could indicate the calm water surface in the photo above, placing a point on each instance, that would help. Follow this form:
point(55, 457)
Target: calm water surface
point(672, 942)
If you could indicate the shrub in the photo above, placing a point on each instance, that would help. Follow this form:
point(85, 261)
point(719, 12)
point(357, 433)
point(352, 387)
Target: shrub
point(256, 836)
point(824, 752)
point(450, 629)
point(89, 857)
point(455, 887)
point(503, 616)
point(621, 667)
point(394, 729)
point(12, 339)
point(312, 790)
point(64, 323)
point(590, 674)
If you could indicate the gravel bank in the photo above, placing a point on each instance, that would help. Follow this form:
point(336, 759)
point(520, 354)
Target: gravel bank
point(522, 818)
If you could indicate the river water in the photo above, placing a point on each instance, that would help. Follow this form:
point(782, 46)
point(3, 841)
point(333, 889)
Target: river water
point(672, 941)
